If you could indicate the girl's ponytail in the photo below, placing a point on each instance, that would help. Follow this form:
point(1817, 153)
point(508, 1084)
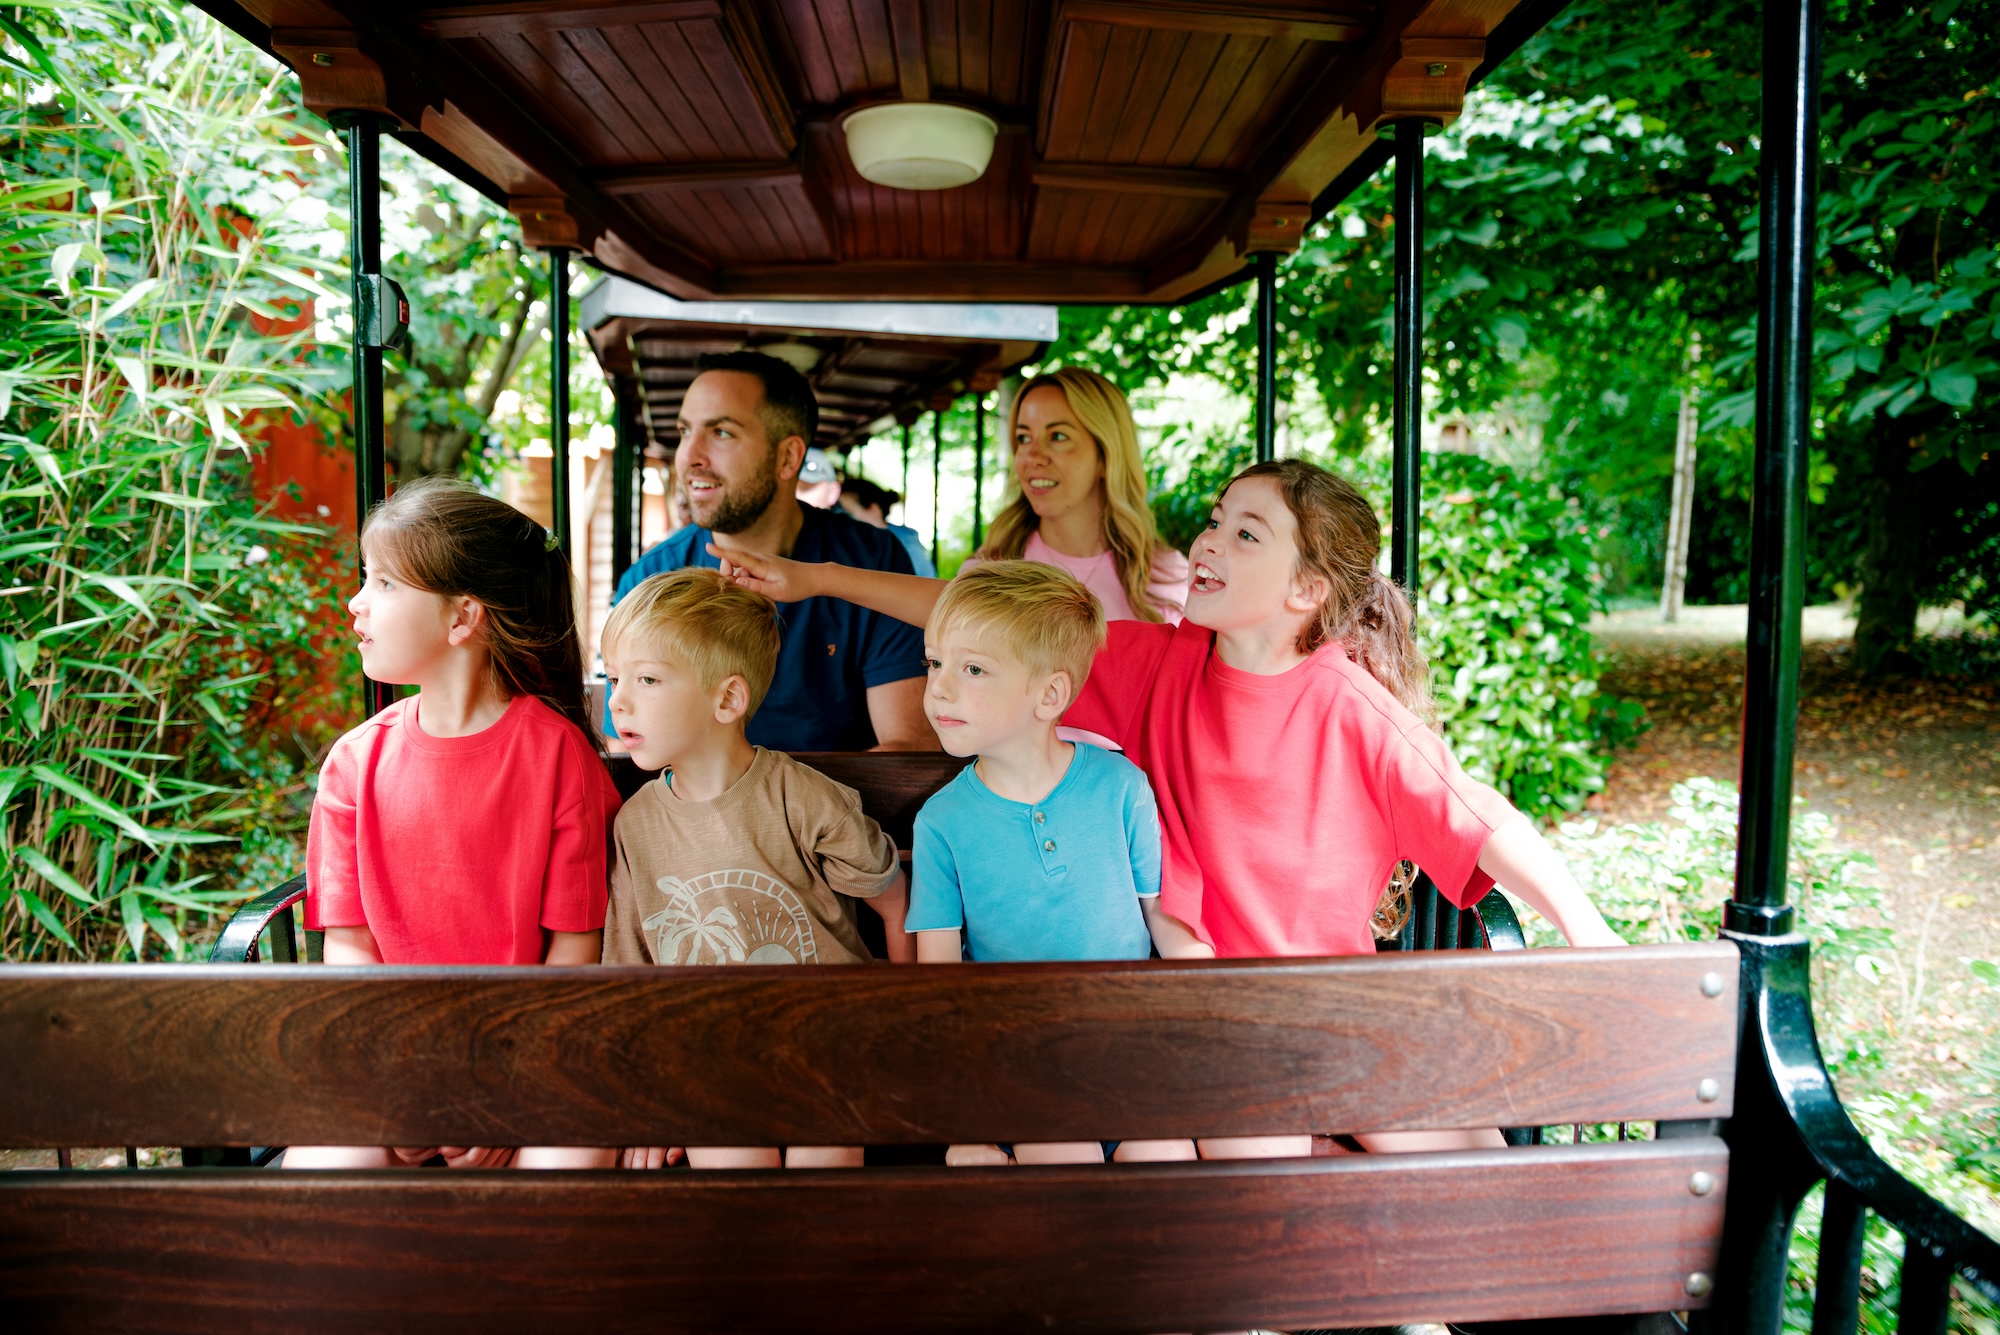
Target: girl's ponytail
point(442, 535)
point(1340, 540)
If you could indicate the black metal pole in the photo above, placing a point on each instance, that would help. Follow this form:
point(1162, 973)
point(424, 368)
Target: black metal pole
point(559, 396)
point(978, 470)
point(1267, 356)
point(937, 486)
point(624, 474)
point(1778, 495)
point(1407, 438)
point(364, 253)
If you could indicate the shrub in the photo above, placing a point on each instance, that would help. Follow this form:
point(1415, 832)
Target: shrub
point(1504, 597)
point(1666, 881)
point(156, 277)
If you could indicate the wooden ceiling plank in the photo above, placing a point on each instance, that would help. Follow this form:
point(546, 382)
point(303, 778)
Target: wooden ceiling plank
point(624, 73)
point(1049, 222)
point(1266, 99)
point(554, 49)
point(1122, 51)
point(586, 136)
point(906, 27)
point(956, 281)
point(1009, 78)
point(1299, 23)
point(1225, 79)
point(1190, 75)
point(1089, 245)
point(693, 92)
point(756, 96)
point(556, 16)
point(1123, 179)
point(801, 31)
point(875, 67)
point(816, 237)
point(975, 48)
point(1160, 57)
point(1076, 70)
point(941, 48)
point(652, 180)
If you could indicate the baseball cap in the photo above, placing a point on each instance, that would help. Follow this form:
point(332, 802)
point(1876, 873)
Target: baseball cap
point(817, 468)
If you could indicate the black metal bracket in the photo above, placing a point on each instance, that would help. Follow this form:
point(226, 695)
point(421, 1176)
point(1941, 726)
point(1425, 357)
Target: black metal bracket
point(272, 909)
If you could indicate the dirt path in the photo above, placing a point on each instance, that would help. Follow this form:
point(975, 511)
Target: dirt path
point(1910, 773)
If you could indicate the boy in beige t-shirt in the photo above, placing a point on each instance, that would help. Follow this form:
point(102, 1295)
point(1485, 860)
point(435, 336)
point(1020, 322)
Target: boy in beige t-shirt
point(736, 855)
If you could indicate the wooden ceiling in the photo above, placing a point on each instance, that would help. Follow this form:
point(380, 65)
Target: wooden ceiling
point(866, 361)
point(1146, 146)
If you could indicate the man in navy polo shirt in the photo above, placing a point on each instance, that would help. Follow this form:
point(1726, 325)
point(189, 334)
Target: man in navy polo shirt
point(848, 679)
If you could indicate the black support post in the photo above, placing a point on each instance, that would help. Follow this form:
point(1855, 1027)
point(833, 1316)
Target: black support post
point(1267, 356)
point(624, 481)
point(1407, 429)
point(559, 397)
point(1427, 911)
point(978, 470)
point(937, 487)
point(364, 251)
point(1778, 497)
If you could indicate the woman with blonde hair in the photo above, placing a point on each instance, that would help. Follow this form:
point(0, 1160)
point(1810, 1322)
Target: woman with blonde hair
point(1079, 498)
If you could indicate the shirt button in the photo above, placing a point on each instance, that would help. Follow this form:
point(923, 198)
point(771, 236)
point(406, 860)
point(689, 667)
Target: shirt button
point(1048, 845)
point(1040, 816)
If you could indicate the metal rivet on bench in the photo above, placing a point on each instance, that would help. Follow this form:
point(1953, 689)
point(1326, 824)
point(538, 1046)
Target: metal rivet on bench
point(1711, 984)
point(1698, 1285)
point(1701, 1183)
point(1708, 1091)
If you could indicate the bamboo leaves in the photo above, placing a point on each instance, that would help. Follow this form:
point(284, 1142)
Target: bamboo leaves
point(149, 220)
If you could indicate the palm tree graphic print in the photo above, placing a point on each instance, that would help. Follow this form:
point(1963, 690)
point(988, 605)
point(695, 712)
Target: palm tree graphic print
point(736, 916)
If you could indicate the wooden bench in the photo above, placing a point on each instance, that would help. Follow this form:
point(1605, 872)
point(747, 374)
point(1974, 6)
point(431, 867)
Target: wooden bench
point(894, 785)
point(273, 1055)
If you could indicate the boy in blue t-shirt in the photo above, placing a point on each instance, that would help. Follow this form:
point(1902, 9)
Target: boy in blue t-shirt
point(1042, 849)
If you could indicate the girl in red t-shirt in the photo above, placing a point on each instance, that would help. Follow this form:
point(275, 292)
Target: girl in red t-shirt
point(1282, 728)
point(468, 824)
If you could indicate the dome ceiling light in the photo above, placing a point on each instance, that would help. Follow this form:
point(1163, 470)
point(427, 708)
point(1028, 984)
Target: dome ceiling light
point(920, 145)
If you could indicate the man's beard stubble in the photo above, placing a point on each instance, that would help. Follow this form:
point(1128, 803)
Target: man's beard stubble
point(741, 507)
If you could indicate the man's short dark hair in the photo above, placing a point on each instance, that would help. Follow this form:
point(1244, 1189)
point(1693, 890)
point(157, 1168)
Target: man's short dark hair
point(789, 406)
point(868, 495)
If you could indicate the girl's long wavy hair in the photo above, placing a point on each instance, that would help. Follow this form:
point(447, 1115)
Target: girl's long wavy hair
point(441, 535)
point(1339, 541)
point(1099, 407)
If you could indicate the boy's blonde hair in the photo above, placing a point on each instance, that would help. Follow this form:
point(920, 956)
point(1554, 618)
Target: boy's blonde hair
point(699, 619)
point(1040, 614)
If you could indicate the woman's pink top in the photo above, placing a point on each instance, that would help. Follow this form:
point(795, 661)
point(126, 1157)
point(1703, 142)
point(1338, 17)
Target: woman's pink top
point(1285, 801)
point(1167, 587)
point(461, 850)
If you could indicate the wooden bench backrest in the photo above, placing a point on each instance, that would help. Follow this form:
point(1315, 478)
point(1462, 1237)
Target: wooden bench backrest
point(271, 1055)
point(893, 785)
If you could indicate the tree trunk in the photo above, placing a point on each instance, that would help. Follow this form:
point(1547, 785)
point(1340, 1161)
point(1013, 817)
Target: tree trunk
point(1893, 565)
point(1673, 582)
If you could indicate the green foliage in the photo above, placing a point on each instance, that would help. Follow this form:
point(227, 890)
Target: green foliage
point(159, 239)
point(1666, 881)
point(1503, 610)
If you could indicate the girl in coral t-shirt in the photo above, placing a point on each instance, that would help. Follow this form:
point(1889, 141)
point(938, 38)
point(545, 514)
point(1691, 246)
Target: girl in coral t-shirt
point(468, 824)
point(1282, 729)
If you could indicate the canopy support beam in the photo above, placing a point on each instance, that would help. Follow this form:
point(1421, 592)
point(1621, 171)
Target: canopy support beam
point(559, 397)
point(978, 470)
point(625, 489)
point(1778, 499)
point(1267, 355)
point(364, 242)
point(937, 487)
point(1407, 428)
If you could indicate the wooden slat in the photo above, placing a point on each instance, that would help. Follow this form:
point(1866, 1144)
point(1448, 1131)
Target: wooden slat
point(1366, 1240)
point(557, 16)
point(894, 785)
point(773, 1055)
